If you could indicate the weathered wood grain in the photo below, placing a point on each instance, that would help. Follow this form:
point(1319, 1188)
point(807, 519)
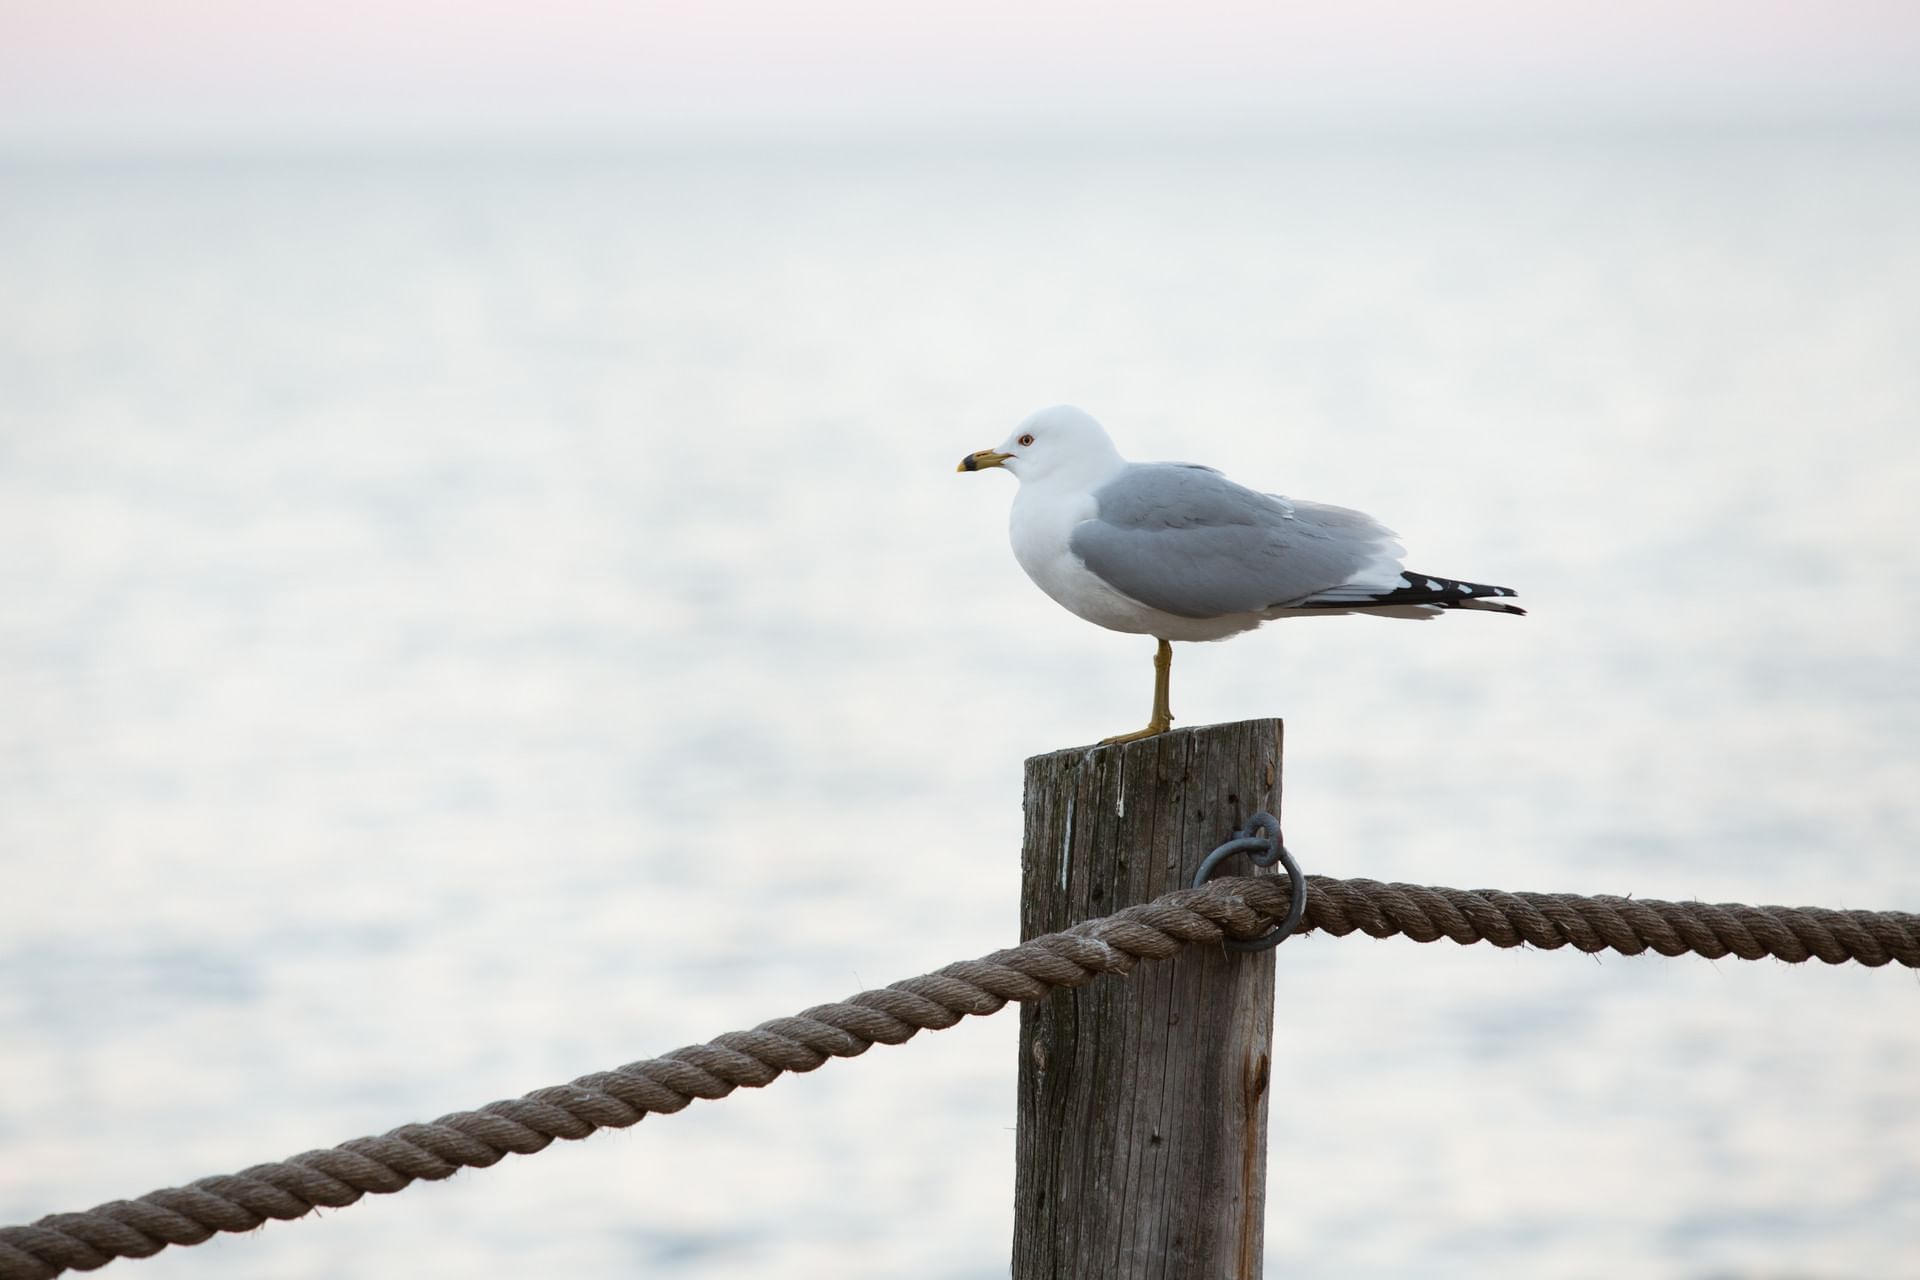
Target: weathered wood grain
point(1143, 1103)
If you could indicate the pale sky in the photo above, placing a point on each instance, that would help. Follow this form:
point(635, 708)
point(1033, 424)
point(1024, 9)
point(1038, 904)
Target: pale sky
point(146, 71)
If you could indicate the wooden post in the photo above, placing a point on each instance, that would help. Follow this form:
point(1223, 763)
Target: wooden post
point(1142, 1141)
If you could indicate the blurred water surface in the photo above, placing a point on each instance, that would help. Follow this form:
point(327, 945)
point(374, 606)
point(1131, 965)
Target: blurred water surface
point(475, 619)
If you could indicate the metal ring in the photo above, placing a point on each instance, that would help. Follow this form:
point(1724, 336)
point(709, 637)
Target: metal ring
point(1263, 851)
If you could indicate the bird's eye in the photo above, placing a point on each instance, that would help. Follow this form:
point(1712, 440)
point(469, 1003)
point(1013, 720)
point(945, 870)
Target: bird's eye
point(1027, 439)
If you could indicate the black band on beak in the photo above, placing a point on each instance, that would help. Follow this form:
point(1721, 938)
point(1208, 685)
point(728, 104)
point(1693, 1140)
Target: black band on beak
point(968, 464)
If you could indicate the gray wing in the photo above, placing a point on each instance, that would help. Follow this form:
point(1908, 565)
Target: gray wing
point(1188, 541)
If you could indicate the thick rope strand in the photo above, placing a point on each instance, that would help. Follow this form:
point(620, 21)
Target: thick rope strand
point(1630, 926)
point(1235, 907)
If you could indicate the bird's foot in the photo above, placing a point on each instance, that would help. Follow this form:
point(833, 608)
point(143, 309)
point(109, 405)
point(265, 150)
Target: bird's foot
point(1155, 727)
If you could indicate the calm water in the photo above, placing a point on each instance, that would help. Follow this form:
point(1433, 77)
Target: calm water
point(476, 620)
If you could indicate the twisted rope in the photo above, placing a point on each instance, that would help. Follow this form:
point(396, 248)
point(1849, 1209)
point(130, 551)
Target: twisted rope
point(1630, 926)
point(1239, 908)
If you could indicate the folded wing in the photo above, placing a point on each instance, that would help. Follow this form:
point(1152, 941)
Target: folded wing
point(1188, 541)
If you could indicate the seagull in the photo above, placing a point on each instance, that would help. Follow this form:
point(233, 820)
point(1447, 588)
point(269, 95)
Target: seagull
point(1177, 551)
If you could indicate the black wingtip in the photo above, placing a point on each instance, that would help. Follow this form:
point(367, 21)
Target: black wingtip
point(1451, 593)
point(1422, 591)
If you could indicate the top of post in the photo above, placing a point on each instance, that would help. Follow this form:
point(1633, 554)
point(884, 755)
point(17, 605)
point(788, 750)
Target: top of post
point(1172, 740)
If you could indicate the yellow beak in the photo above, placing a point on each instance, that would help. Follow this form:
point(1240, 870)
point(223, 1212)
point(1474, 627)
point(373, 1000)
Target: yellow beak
point(982, 460)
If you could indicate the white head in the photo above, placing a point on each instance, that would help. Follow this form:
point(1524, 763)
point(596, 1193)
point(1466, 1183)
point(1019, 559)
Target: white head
point(1061, 442)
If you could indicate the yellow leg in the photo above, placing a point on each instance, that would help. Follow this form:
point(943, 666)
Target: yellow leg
point(1162, 719)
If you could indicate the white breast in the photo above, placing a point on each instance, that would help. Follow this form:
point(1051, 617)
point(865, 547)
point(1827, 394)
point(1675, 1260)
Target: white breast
point(1041, 526)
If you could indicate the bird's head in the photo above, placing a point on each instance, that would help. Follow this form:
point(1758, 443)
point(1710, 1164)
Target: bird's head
point(1059, 440)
